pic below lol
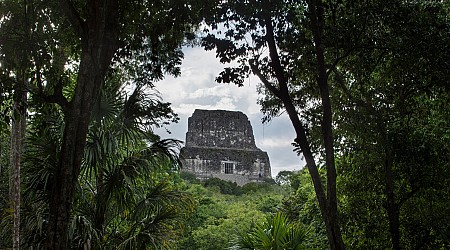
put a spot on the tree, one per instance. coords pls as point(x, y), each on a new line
point(124, 197)
point(385, 105)
point(147, 33)
point(310, 54)
point(17, 137)
point(225, 187)
point(124, 194)
point(15, 78)
point(5, 212)
point(284, 177)
point(289, 31)
point(419, 160)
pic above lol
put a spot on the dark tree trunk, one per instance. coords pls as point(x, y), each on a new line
point(101, 202)
point(327, 202)
point(333, 229)
point(17, 136)
point(392, 207)
point(99, 38)
point(329, 212)
point(72, 150)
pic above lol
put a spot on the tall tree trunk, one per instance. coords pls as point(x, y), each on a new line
point(327, 202)
point(18, 128)
point(322, 198)
point(99, 38)
point(316, 18)
point(392, 207)
point(76, 120)
point(17, 136)
point(101, 199)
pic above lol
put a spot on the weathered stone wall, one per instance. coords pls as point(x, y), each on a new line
point(221, 144)
point(219, 128)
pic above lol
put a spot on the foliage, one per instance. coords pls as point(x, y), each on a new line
point(301, 205)
point(258, 187)
point(420, 158)
point(386, 67)
point(73, 45)
point(389, 115)
point(284, 177)
point(364, 79)
point(225, 187)
point(219, 217)
point(126, 197)
point(5, 211)
point(189, 177)
point(275, 232)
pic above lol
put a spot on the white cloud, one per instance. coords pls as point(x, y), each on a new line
point(187, 109)
point(218, 90)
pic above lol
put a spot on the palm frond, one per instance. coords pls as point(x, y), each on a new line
point(145, 109)
point(33, 222)
point(40, 161)
point(163, 195)
point(275, 232)
point(121, 196)
point(156, 218)
point(82, 232)
point(166, 149)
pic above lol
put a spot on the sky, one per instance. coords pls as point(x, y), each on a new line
point(196, 88)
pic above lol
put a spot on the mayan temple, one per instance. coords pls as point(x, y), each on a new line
point(221, 144)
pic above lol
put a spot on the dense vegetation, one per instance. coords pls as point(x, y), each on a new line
point(366, 87)
point(221, 215)
point(365, 84)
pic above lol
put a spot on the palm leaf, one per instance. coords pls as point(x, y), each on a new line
point(156, 218)
point(275, 232)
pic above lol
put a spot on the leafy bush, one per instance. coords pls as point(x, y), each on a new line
point(225, 187)
point(254, 187)
point(189, 177)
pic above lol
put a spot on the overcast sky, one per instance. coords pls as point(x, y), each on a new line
point(196, 88)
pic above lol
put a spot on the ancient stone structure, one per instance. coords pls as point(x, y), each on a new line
point(220, 144)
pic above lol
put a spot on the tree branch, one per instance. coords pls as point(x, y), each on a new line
point(264, 80)
point(57, 96)
point(73, 16)
point(348, 52)
point(408, 195)
point(273, 53)
point(338, 59)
